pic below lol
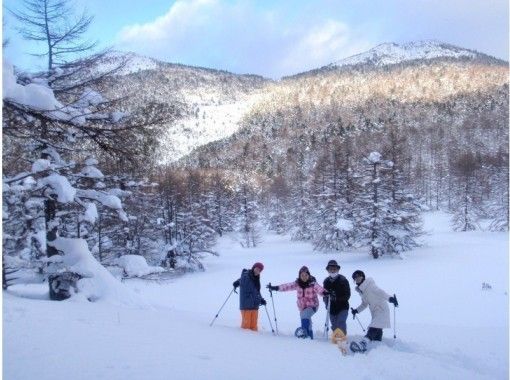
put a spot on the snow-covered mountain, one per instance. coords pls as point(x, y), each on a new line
point(296, 116)
point(213, 105)
point(388, 54)
point(392, 53)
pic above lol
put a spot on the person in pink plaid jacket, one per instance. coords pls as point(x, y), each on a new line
point(307, 291)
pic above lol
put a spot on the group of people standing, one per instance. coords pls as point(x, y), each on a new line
point(335, 291)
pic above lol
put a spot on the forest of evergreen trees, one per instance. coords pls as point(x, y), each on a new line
point(85, 170)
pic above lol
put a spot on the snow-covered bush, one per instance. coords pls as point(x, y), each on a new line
point(136, 266)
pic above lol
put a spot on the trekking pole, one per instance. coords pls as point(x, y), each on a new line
point(395, 318)
point(274, 310)
point(326, 325)
point(360, 323)
point(218, 313)
point(269, 318)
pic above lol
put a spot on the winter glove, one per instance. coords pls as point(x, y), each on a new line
point(354, 312)
point(393, 300)
point(235, 284)
point(263, 302)
point(272, 287)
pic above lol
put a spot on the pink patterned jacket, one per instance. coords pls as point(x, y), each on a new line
point(306, 297)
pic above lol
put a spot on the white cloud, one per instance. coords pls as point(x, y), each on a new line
point(182, 16)
point(283, 38)
point(323, 44)
point(242, 38)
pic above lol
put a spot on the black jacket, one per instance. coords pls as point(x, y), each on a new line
point(341, 292)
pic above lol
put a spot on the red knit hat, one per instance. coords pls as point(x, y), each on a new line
point(258, 265)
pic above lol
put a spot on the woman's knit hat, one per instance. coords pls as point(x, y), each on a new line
point(304, 268)
point(258, 265)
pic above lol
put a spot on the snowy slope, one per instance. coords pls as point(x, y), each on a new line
point(208, 104)
point(211, 122)
point(133, 63)
point(447, 326)
point(392, 53)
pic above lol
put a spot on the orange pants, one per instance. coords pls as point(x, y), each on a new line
point(249, 319)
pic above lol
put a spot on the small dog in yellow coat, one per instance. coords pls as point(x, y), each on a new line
point(338, 337)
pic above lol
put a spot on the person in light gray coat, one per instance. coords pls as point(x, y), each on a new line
point(376, 300)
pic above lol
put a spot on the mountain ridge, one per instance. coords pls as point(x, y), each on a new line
point(384, 54)
point(214, 105)
point(391, 54)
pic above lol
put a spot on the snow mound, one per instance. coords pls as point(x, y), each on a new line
point(136, 266)
point(97, 283)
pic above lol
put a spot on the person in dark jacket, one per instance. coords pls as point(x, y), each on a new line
point(339, 293)
point(249, 296)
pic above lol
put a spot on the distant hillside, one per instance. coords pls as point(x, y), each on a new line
point(214, 111)
point(209, 103)
point(412, 53)
point(438, 110)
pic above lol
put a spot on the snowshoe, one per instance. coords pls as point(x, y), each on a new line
point(360, 346)
point(301, 333)
point(305, 331)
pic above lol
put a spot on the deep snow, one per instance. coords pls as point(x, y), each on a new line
point(448, 327)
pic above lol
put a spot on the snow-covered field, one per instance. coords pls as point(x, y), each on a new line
point(448, 327)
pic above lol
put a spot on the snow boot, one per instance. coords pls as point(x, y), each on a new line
point(306, 324)
point(360, 346)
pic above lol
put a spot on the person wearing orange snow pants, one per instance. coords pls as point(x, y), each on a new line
point(249, 319)
point(249, 296)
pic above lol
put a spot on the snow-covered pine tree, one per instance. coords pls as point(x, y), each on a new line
point(465, 207)
point(221, 202)
point(170, 193)
point(187, 212)
point(332, 194)
point(195, 233)
point(143, 232)
point(300, 203)
point(106, 237)
point(372, 207)
point(42, 127)
point(498, 205)
point(277, 207)
point(405, 224)
point(248, 220)
point(23, 235)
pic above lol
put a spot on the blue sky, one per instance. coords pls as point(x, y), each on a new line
point(276, 38)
